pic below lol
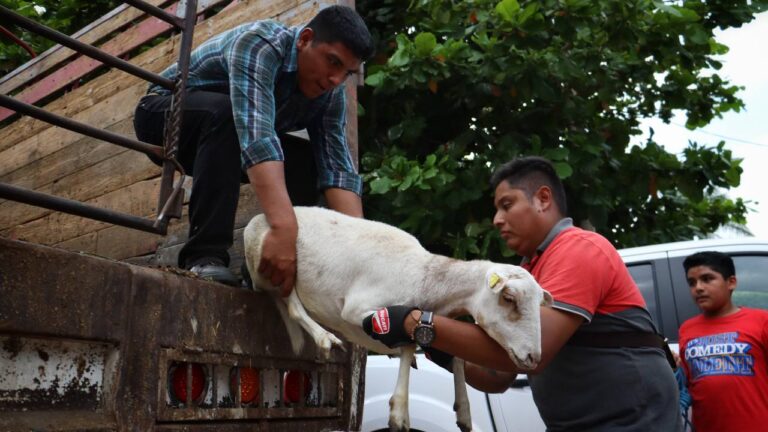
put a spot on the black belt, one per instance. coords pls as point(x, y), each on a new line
point(623, 340)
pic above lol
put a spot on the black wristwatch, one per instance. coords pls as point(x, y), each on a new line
point(424, 333)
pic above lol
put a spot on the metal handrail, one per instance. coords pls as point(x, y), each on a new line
point(158, 13)
point(66, 123)
point(77, 208)
point(171, 195)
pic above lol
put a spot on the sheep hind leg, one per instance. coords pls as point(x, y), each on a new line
point(324, 339)
point(461, 404)
point(399, 420)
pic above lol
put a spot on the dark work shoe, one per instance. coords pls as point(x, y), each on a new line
point(214, 271)
point(247, 283)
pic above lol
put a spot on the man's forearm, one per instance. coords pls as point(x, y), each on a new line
point(344, 201)
point(470, 342)
point(487, 365)
point(268, 182)
point(486, 379)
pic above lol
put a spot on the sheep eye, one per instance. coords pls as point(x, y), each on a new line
point(509, 302)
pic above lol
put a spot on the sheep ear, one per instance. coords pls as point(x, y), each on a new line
point(547, 299)
point(494, 281)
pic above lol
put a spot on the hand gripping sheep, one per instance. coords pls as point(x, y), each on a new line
point(348, 268)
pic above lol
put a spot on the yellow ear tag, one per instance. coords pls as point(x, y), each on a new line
point(493, 280)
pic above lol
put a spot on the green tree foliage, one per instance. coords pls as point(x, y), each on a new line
point(459, 87)
point(64, 16)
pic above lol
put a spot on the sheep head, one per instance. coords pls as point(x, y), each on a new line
point(509, 312)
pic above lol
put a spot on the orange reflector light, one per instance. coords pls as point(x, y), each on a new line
point(292, 391)
point(178, 381)
point(249, 384)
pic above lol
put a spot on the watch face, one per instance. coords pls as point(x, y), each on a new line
point(424, 335)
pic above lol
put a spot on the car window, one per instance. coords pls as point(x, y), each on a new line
point(751, 288)
point(643, 276)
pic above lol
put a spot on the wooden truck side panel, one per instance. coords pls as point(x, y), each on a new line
point(133, 324)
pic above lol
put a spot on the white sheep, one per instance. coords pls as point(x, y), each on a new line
point(348, 268)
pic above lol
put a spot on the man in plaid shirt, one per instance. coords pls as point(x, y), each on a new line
point(247, 87)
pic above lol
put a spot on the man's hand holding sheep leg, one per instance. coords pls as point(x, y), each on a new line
point(387, 325)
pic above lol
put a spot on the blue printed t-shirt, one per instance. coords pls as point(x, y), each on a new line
point(599, 389)
point(256, 64)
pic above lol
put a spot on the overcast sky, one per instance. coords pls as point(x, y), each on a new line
point(746, 132)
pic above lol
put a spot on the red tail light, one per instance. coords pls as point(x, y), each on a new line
point(292, 386)
point(178, 381)
point(249, 384)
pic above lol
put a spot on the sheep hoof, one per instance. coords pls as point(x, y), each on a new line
point(336, 341)
point(398, 425)
point(463, 417)
point(464, 427)
point(326, 343)
point(398, 415)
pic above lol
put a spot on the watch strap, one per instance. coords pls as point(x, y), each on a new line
point(426, 318)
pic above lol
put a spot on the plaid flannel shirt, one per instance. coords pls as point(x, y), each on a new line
point(256, 64)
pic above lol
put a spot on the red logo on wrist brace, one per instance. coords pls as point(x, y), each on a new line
point(381, 321)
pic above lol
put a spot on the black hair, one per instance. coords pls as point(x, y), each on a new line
point(529, 174)
point(342, 24)
point(717, 261)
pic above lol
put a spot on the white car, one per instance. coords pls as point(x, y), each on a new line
point(658, 272)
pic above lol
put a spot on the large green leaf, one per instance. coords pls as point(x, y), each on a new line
point(507, 9)
point(425, 43)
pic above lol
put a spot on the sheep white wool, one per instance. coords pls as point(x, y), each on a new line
point(347, 268)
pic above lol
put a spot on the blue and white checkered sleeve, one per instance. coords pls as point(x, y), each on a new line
point(327, 136)
point(253, 65)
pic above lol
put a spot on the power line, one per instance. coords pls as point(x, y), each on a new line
point(720, 136)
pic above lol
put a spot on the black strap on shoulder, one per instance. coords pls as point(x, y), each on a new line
point(623, 340)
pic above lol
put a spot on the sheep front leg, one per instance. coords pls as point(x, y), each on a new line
point(461, 404)
point(398, 404)
point(322, 337)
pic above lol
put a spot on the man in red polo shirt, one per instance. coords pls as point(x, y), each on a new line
point(603, 367)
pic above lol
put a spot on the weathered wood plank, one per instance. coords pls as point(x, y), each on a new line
point(118, 242)
point(302, 13)
point(164, 251)
point(104, 113)
point(169, 255)
point(81, 154)
point(114, 173)
point(13, 213)
point(85, 244)
point(137, 199)
point(70, 105)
